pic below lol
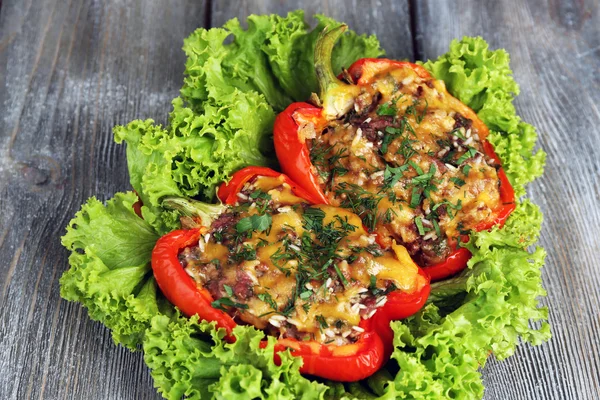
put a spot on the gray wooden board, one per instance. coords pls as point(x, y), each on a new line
point(70, 70)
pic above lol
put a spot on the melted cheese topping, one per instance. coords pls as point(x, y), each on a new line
point(409, 160)
point(313, 273)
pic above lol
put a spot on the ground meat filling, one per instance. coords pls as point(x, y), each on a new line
point(295, 270)
point(410, 164)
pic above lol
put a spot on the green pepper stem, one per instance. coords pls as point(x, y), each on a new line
point(323, 51)
point(193, 208)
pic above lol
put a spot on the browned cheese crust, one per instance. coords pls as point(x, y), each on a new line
point(409, 163)
point(295, 270)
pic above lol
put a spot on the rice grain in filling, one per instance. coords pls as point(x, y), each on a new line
point(409, 163)
point(307, 273)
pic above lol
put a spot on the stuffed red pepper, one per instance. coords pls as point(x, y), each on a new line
point(389, 142)
point(307, 274)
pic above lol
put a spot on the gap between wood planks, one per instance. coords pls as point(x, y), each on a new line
point(412, 17)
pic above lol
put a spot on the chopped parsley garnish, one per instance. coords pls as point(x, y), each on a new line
point(313, 218)
point(362, 202)
point(387, 109)
point(392, 175)
point(266, 297)
point(415, 197)
point(406, 150)
point(218, 236)
point(457, 181)
point(342, 277)
point(318, 157)
point(261, 199)
point(246, 252)
point(449, 207)
point(388, 215)
point(391, 134)
point(420, 227)
point(375, 291)
point(373, 283)
point(416, 167)
point(456, 132)
point(412, 110)
point(223, 302)
point(258, 223)
point(322, 322)
point(466, 169)
point(436, 226)
point(423, 177)
point(423, 184)
point(471, 152)
point(306, 295)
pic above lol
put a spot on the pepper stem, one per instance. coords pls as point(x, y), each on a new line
point(206, 213)
point(336, 96)
point(323, 51)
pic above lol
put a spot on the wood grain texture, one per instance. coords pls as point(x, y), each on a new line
point(555, 56)
point(70, 71)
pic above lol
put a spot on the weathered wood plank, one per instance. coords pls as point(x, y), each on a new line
point(555, 53)
point(70, 71)
point(390, 20)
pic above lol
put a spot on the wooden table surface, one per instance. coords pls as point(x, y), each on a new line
point(71, 70)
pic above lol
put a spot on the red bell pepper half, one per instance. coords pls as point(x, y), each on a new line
point(294, 155)
point(346, 363)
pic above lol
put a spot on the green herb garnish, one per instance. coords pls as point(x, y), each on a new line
point(227, 302)
point(266, 297)
point(258, 223)
point(387, 109)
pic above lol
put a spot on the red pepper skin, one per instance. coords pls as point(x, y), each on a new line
point(228, 192)
point(457, 260)
point(348, 363)
point(399, 305)
point(294, 156)
point(178, 286)
point(360, 359)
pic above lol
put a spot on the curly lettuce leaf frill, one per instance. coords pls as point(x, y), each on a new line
point(440, 353)
point(273, 57)
point(196, 152)
point(190, 358)
point(110, 272)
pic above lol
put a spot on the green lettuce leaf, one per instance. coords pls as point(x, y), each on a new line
point(521, 164)
point(196, 152)
point(110, 272)
point(273, 57)
point(440, 356)
point(190, 358)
